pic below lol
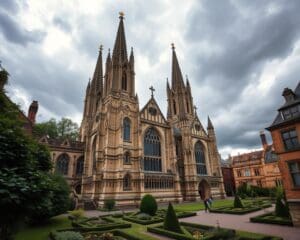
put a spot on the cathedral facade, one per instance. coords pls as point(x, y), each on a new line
point(130, 151)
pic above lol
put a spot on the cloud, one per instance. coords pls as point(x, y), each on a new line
point(239, 55)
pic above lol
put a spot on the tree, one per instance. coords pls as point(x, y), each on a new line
point(237, 202)
point(63, 129)
point(171, 222)
point(148, 205)
point(3, 77)
point(27, 189)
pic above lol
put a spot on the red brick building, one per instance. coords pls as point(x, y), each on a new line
point(285, 131)
point(228, 178)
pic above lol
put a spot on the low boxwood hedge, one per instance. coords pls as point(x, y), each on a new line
point(164, 232)
point(239, 211)
point(262, 219)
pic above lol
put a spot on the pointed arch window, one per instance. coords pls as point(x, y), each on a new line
point(152, 151)
point(79, 166)
point(200, 159)
point(127, 182)
point(174, 107)
point(94, 156)
point(126, 129)
point(62, 164)
point(126, 158)
point(124, 81)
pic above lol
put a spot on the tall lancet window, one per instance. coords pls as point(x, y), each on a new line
point(126, 129)
point(79, 166)
point(124, 81)
point(152, 151)
point(200, 159)
point(62, 164)
point(127, 182)
point(94, 150)
point(174, 107)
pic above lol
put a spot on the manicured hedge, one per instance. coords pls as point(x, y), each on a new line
point(241, 211)
point(143, 222)
point(105, 227)
point(174, 235)
point(262, 219)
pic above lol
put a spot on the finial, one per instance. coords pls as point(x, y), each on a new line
point(173, 46)
point(121, 15)
point(152, 90)
point(89, 79)
point(100, 47)
point(186, 77)
point(131, 49)
point(195, 108)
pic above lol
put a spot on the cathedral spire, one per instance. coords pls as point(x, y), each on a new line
point(98, 74)
point(120, 51)
point(177, 79)
point(131, 58)
point(209, 124)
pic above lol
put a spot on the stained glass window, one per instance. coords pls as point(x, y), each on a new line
point(126, 129)
point(79, 166)
point(200, 159)
point(152, 151)
point(62, 164)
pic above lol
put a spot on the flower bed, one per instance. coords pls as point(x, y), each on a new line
point(145, 219)
point(271, 218)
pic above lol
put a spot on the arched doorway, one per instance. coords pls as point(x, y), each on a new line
point(204, 189)
point(78, 189)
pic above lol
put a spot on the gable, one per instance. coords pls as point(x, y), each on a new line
point(152, 113)
point(197, 128)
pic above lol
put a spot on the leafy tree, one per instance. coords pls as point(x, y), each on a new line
point(65, 128)
point(27, 189)
point(148, 205)
point(3, 77)
point(171, 222)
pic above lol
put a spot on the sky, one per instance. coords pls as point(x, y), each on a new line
point(237, 55)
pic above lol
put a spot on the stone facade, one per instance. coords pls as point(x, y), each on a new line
point(130, 151)
point(258, 168)
point(285, 131)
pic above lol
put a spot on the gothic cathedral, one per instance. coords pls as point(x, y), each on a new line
point(131, 151)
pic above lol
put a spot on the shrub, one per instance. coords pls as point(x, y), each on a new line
point(148, 205)
point(237, 202)
point(68, 235)
point(281, 208)
point(76, 214)
point(143, 216)
point(171, 221)
point(109, 204)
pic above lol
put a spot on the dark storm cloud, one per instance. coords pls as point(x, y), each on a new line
point(13, 31)
point(242, 37)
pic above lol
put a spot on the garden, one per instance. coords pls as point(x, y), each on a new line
point(147, 224)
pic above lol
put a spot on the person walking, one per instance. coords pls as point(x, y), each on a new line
point(206, 204)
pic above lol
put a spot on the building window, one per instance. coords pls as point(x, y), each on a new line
point(152, 151)
point(126, 129)
point(62, 164)
point(79, 166)
point(278, 182)
point(126, 158)
point(239, 173)
point(127, 183)
point(200, 159)
point(154, 182)
point(174, 107)
point(247, 172)
point(295, 172)
point(290, 139)
point(94, 152)
point(256, 172)
point(124, 81)
point(258, 183)
point(291, 112)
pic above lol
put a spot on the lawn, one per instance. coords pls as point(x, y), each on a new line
point(197, 206)
point(271, 218)
point(42, 232)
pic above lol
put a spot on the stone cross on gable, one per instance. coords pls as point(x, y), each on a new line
point(152, 90)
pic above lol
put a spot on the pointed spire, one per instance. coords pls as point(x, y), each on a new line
point(131, 58)
point(98, 74)
point(209, 124)
point(177, 79)
point(120, 51)
point(88, 86)
point(187, 81)
point(108, 61)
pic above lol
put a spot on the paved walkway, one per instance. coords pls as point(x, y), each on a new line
point(242, 222)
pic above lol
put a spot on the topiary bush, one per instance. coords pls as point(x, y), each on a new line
point(143, 216)
point(68, 235)
point(76, 214)
point(171, 221)
point(281, 208)
point(109, 204)
point(148, 205)
point(237, 202)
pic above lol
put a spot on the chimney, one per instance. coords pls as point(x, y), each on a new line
point(33, 108)
point(263, 139)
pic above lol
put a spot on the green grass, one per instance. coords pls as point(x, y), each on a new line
point(254, 235)
point(197, 206)
point(42, 232)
